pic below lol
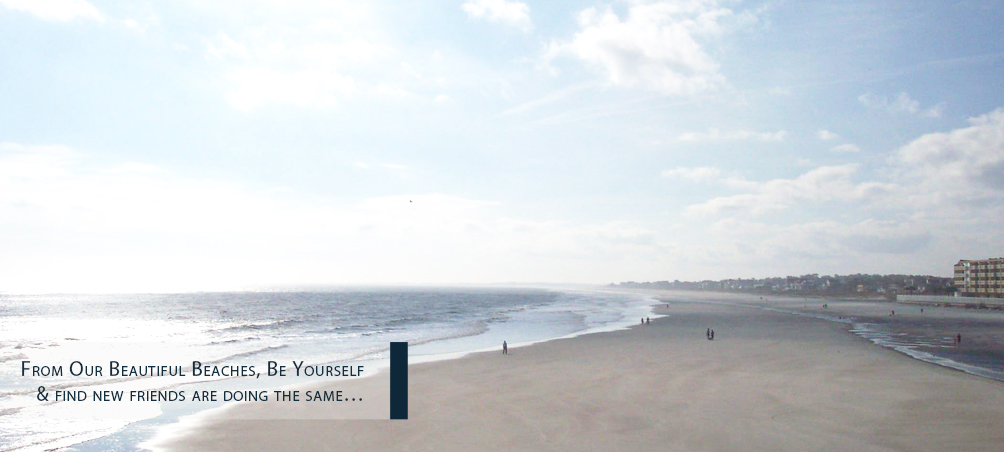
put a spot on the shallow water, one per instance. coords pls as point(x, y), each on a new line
point(238, 328)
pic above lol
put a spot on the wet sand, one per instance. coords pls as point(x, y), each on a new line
point(926, 329)
point(769, 381)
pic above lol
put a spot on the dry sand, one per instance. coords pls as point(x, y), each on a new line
point(768, 382)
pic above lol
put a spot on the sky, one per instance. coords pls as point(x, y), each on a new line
point(189, 145)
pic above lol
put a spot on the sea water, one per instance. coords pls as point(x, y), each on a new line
point(172, 330)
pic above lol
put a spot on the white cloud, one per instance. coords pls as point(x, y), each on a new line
point(657, 45)
point(695, 174)
point(732, 135)
point(772, 249)
point(902, 103)
point(826, 183)
point(74, 225)
point(846, 148)
point(222, 46)
point(318, 55)
point(826, 135)
point(940, 196)
point(512, 13)
point(56, 10)
point(311, 88)
point(964, 162)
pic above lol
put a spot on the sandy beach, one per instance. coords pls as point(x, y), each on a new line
point(769, 381)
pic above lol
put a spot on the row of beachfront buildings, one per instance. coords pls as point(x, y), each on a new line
point(980, 278)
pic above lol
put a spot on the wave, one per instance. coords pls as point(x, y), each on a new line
point(313, 327)
point(257, 326)
point(246, 354)
point(16, 357)
point(235, 340)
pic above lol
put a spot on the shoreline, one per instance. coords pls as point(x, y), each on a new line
point(867, 319)
point(133, 431)
point(458, 371)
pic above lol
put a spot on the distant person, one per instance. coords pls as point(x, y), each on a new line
point(707, 334)
point(959, 338)
point(647, 321)
point(921, 310)
point(893, 312)
point(505, 348)
point(642, 320)
point(712, 334)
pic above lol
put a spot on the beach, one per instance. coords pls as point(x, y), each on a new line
point(770, 380)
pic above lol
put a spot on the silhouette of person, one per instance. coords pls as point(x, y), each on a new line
point(959, 338)
point(505, 348)
point(647, 321)
point(707, 334)
point(712, 334)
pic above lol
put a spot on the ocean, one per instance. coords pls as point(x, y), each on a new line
point(332, 326)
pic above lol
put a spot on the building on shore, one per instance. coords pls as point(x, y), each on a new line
point(980, 278)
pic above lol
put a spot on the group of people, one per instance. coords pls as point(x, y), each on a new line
point(710, 334)
point(645, 321)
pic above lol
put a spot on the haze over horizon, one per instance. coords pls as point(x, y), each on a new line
point(184, 146)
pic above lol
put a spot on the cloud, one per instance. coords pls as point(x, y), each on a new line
point(939, 197)
point(696, 174)
point(826, 135)
point(773, 249)
point(659, 46)
point(512, 13)
point(56, 10)
point(826, 183)
point(902, 103)
point(545, 100)
point(318, 55)
point(222, 46)
point(846, 148)
point(964, 162)
point(733, 135)
point(73, 224)
point(254, 87)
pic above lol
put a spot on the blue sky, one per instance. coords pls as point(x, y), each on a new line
point(191, 146)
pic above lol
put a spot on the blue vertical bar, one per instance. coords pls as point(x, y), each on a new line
point(399, 380)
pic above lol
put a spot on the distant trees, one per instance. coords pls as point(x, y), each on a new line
point(858, 284)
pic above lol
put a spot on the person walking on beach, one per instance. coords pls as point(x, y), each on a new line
point(712, 334)
point(707, 334)
point(959, 339)
point(505, 348)
point(647, 321)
